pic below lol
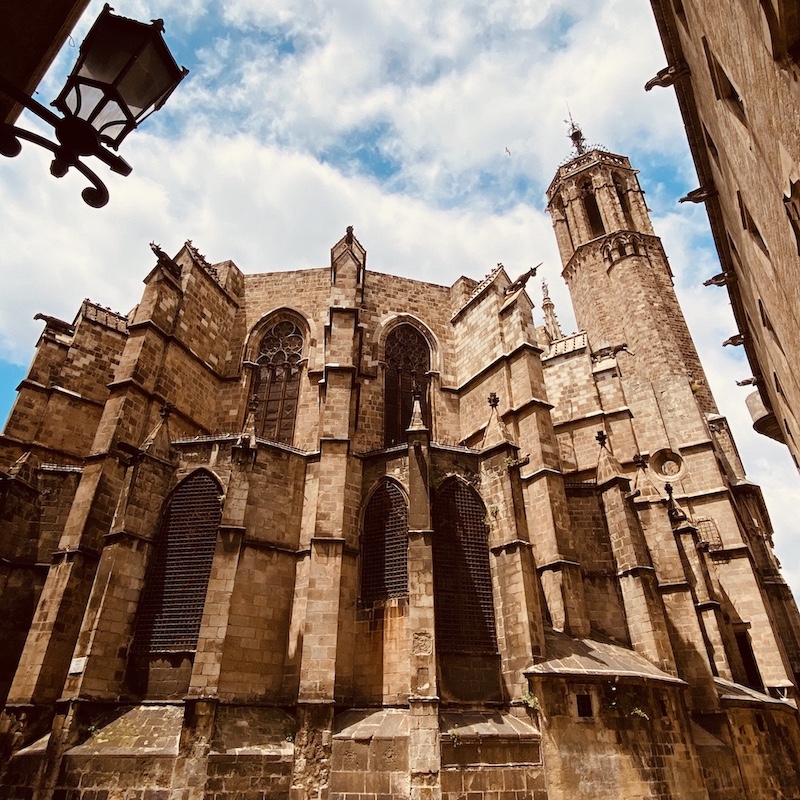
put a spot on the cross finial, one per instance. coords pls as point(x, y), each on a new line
point(165, 410)
point(601, 438)
point(668, 489)
point(493, 400)
point(252, 406)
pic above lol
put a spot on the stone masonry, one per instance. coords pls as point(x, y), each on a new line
point(332, 534)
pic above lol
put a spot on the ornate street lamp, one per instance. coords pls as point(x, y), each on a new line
point(124, 73)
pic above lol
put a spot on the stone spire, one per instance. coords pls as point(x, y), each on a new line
point(551, 325)
point(417, 421)
point(608, 468)
point(496, 431)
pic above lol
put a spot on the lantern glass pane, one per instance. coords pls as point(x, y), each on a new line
point(146, 81)
point(109, 51)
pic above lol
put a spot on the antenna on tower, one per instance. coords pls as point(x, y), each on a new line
point(575, 134)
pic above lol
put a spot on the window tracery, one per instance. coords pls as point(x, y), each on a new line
point(276, 382)
point(408, 361)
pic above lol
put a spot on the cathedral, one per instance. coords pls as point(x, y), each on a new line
point(333, 534)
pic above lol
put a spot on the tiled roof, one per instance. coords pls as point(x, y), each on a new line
point(483, 724)
point(592, 658)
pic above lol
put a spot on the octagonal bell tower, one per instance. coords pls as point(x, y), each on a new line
point(617, 271)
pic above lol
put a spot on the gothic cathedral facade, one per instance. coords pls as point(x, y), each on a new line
point(340, 535)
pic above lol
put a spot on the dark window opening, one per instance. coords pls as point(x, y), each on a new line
point(584, 704)
point(593, 215)
point(752, 674)
point(561, 215)
point(408, 362)
point(712, 147)
point(622, 196)
point(749, 224)
point(680, 12)
point(384, 545)
point(174, 595)
point(781, 28)
point(462, 580)
point(792, 205)
point(765, 320)
point(723, 87)
point(276, 384)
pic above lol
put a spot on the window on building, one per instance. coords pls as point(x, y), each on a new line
point(462, 578)
point(752, 673)
point(384, 545)
point(408, 361)
point(680, 12)
point(593, 215)
point(276, 383)
point(780, 20)
point(749, 224)
point(561, 216)
point(584, 705)
point(174, 594)
point(622, 196)
point(792, 205)
point(723, 87)
point(712, 147)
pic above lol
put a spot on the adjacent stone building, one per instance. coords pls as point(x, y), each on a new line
point(333, 533)
point(736, 72)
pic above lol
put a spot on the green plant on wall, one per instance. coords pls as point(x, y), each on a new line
point(531, 701)
point(626, 700)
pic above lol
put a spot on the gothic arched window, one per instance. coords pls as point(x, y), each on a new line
point(462, 581)
point(174, 595)
point(593, 215)
point(384, 545)
point(276, 383)
point(408, 361)
point(622, 196)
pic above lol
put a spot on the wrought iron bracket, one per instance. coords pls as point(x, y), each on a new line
point(76, 139)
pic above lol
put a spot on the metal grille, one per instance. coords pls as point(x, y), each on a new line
point(407, 363)
point(708, 532)
point(277, 381)
point(384, 545)
point(172, 603)
point(461, 574)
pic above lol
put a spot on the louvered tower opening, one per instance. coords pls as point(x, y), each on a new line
point(408, 362)
point(384, 545)
point(171, 607)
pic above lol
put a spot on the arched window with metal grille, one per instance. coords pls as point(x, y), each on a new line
point(462, 580)
point(276, 383)
point(174, 595)
point(408, 360)
point(384, 545)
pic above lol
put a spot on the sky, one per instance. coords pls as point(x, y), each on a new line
point(431, 126)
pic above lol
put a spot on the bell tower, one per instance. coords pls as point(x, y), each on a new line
point(617, 271)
